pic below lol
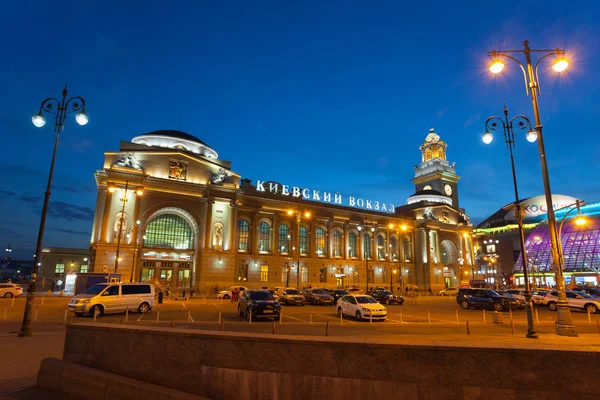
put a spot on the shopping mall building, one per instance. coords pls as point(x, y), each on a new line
point(170, 211)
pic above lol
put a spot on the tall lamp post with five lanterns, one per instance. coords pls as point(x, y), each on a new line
point(564, 323)
point(61, 108)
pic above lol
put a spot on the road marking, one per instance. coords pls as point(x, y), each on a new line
point(297, 319)
point(219, 307)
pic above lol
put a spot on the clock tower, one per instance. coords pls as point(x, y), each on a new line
point(435, 173)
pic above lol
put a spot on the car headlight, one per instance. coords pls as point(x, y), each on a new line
point(84, 301)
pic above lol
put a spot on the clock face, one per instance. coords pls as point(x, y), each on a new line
point(427, 187)
point(448, 190)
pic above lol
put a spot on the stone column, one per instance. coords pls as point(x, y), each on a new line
point(104, 233)
point(345, 242)
point(233, 215)
point(137, 209)
point(208, 219)
point(329, 242)
point(275, 236)
point(253, 229)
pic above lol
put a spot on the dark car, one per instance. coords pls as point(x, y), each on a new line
point(337, 294)
point(259, 303)
point(317, 297)
point(386, 297)
point(485, 298)
point(291, 296)
point(520, 301)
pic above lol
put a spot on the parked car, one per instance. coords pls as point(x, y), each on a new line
point(520, 299)
point(226, 294)
point(274, 294)
point(577, 300)
point(537, 297)
point(387, 297)
point(484, 298)
point(290, 296)
point(318, 297)
point(337, 294)
point(10, 290)
point(361, 306)
point(259, 304)
point(354, 291)
point(106, 298)
point(594, 292)
point(518, 293)
point(451, 291)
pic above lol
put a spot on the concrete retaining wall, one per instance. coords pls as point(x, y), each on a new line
point(223, 365)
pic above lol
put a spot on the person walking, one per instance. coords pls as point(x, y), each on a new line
point(160, 296)
point(192, 292)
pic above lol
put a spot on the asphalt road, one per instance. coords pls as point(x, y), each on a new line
point(421, 315)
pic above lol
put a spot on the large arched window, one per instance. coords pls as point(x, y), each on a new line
point(264, 236)
point(243, 234)
point(169, 231)
point(406, 249)
point(394, 247)
point(303, 240)
point(337, 243)
point(381, 250)
point(367, 245)
point(283, 245)
point(320, 233)
point(352, 244)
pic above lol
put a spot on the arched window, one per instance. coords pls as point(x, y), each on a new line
point(169, 231)
point(367, 245)
point(352, 244)
point(406, 249)
point(394, 247)
point(381, 250)
point(337, 243)
point(303, 240)
point(283, 245)
point(264, 236)
point(427, 154)
point(320, 233)
point(243, 234)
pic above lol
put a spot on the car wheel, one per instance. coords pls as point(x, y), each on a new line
point(226, 296)
point(144, 308)
point(591, 308)
point(497, 306)
point(96, 311)
point(358, 316)
point(552, 306)
point(8, 295)
point(464, 304)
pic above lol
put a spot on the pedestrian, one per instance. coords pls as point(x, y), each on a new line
point(234, 295)
point(160, 296)
point(183, 293)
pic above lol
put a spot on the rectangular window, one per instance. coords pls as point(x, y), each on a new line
point(323, 275)
point(147, 275)
point(384, 275)
point(59, 269)
point(83, 268)
point(184, 277)
point(303, 240)
point(242, 275)
point(243, 234)
point(284, 274)
point(320, 236)
point(337, 243)
point(284, 239)
point(304, 276)
point(371, 273)
point(135, 289)
point(264, 273)
point(166, 274)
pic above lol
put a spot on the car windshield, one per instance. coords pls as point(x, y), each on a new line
point(319, 291)
point(96, 289)
point(261, 296)
point(492, 293)
point(291, 291)
point(365, 299)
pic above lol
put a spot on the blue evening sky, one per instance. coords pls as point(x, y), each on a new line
point(331, 95)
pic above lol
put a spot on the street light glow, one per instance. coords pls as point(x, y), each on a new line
point(487, 137)
point(560, 64)
point(38, 120)
point(580, 221)
point(496, 66)
point(531, 136)
point(81, 118)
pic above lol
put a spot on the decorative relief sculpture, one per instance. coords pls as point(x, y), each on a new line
point(220, 177)
point(218, 235)
point(128, 161)
point(177, 170)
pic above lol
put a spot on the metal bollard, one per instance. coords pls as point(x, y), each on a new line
point(157, 314)
point(468, 331)
point(483, 316)
point(172, 322)
point(70, 319)
point(341, 318)
point(371, 318)
point(510, 313)
point(42, 300)
point(280, 317)
point(220, 317)
point(13, 302)
point(400, 317)
point(66, 313)
point(537, 316)
point(35, 315)
point(456, 317)
point(274, 326)
point(429, 317)
point(589, 316)
point(249, 316)
point(327, 329)
point(127, 314)
point(189, 316)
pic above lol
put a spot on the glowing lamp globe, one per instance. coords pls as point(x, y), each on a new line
point(496, 66)
point(38, 120)
point(487, 138)
point(580, 221)
point(531, 136)
point(81, 118)
point(560, 65)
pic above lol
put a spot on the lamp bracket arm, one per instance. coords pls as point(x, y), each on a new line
point(77, 105)
point(502, 54)
point(49, 106)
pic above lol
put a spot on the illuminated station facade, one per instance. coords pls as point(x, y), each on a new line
point(171, 212)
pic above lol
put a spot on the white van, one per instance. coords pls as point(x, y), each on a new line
point(106, 298)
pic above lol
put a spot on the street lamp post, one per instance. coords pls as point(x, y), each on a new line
point(522, 122)
point(298, 222)
point(564, 323)
point(61, 108)
point(138, 192)
point(367, 249)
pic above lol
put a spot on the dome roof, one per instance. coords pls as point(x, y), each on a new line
point(174, 139)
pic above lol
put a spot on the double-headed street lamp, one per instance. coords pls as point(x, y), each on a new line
point(138, 192)
point(367, 249)
point(298, 226)
point(564, 323)
point(61, 108)
point(520, 122)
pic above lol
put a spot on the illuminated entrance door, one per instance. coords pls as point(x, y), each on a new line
point(166, 273)
point(447, 282)
point(147, 271)
point(339, 278)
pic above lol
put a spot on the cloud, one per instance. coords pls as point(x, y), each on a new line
point(10, 232)
point(72, 232)
point(70, 212)
point(6, 194)
point(442, 111)
point(472, 119)
point(30, 199)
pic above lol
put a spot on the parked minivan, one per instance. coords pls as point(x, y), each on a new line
point(106, 298)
